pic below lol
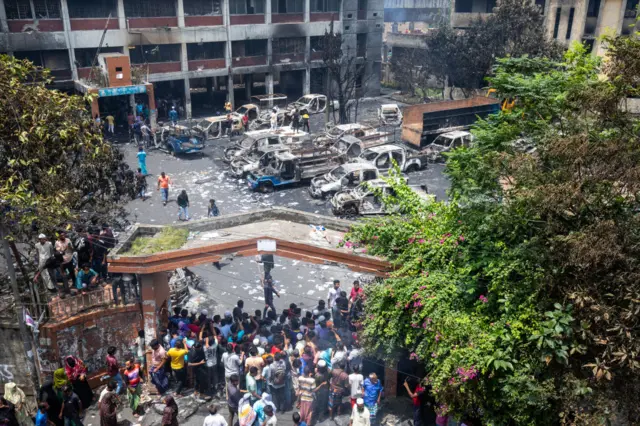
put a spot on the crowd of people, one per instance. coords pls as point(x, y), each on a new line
point(79, 264)
point(267, 363)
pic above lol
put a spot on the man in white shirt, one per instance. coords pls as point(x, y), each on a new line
point(355, 382)
point(214, 419)
point(360, 415)
point(333, 294)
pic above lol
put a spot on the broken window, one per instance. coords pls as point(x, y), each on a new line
point(18, 9)
point(249, 48)
point(199, 51)
point(34, 56)
point(149, 8)
point(325, 5)
point(47, 9)
point(287, 6)
point(52, 59)
point(316, 43)
point(464, 6)
point(93, 9)
point(246, 7)
point(286, 46)
point(44, 9)
point(85, 57)
point(361, 45)
point(155, 53)
point(202, 7)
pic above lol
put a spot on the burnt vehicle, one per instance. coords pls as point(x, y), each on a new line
point(345, 176)
point(367, 199)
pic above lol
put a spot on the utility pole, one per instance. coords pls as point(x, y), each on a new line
point(26, 339)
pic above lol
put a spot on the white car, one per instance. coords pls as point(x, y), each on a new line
point(390, 115)
point(346, 176)
point(446, 142)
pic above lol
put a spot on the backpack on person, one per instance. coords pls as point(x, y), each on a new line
point(279, 374)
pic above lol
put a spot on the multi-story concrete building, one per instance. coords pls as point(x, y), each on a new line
point(565, 20)
point(197, 51)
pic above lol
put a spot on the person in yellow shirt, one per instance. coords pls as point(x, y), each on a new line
point(305, 122)
point(176, 355)
point(110, 123)
point(228, 107)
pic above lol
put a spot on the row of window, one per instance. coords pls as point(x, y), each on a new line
point(198, 51)
point(50, 9)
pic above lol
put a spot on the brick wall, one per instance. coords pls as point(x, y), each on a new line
point(280, 18)
point(44, 25)
point(248, 61)
point(202, 21)
point(246, 19)
point(206, 64)
point(323, 16)
point(88, 337)
point(153, 22)
point(93, 24)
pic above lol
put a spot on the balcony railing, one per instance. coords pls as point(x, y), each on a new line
point(102, 297)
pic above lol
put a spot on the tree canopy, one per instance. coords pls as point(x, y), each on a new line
point(55, 165)
point(521, 295)
point(464, 58)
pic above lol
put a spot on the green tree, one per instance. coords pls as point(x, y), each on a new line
point(464, 58)
point(56, 168)
point(520, 296)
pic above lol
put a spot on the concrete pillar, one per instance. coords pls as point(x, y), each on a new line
point(180, 10)
point(122, 18)
point(269, 83)
point(306, 84)
point(132, 103)
point(184, 58)
point(153, 110)
point(4, 26)
point(187, 97)
point(154, 291)
point(66, 24)
point(307, 8)
point(248, 85)
point(230, 96)
point(95, 108)
point(390, 379)
point(270, 51)
point(216, 84)
point(267, 11)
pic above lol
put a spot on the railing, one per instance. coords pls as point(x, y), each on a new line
point(61, 309)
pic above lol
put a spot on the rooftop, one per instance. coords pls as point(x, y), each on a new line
point(298, 235)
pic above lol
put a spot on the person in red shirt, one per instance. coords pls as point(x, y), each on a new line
point(245, 122)
point(113, 368)
point(416, 396)
point(356, 291)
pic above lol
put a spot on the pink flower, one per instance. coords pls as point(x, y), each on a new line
point(424, 325)
point(413, 356)
point(364, 250)
point(437, 337)
point(441, 241)
point(411, 240)
point(421, 241)
point(434, 355)
point(423, 287)
point(461, 237)
point(348, 244)
point(425, 273)
point(375, 237)
point(483, 298)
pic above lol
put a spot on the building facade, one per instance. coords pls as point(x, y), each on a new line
point(565, 20)
point(199, 51)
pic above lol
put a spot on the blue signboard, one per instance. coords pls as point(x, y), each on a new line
point(124, 90)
